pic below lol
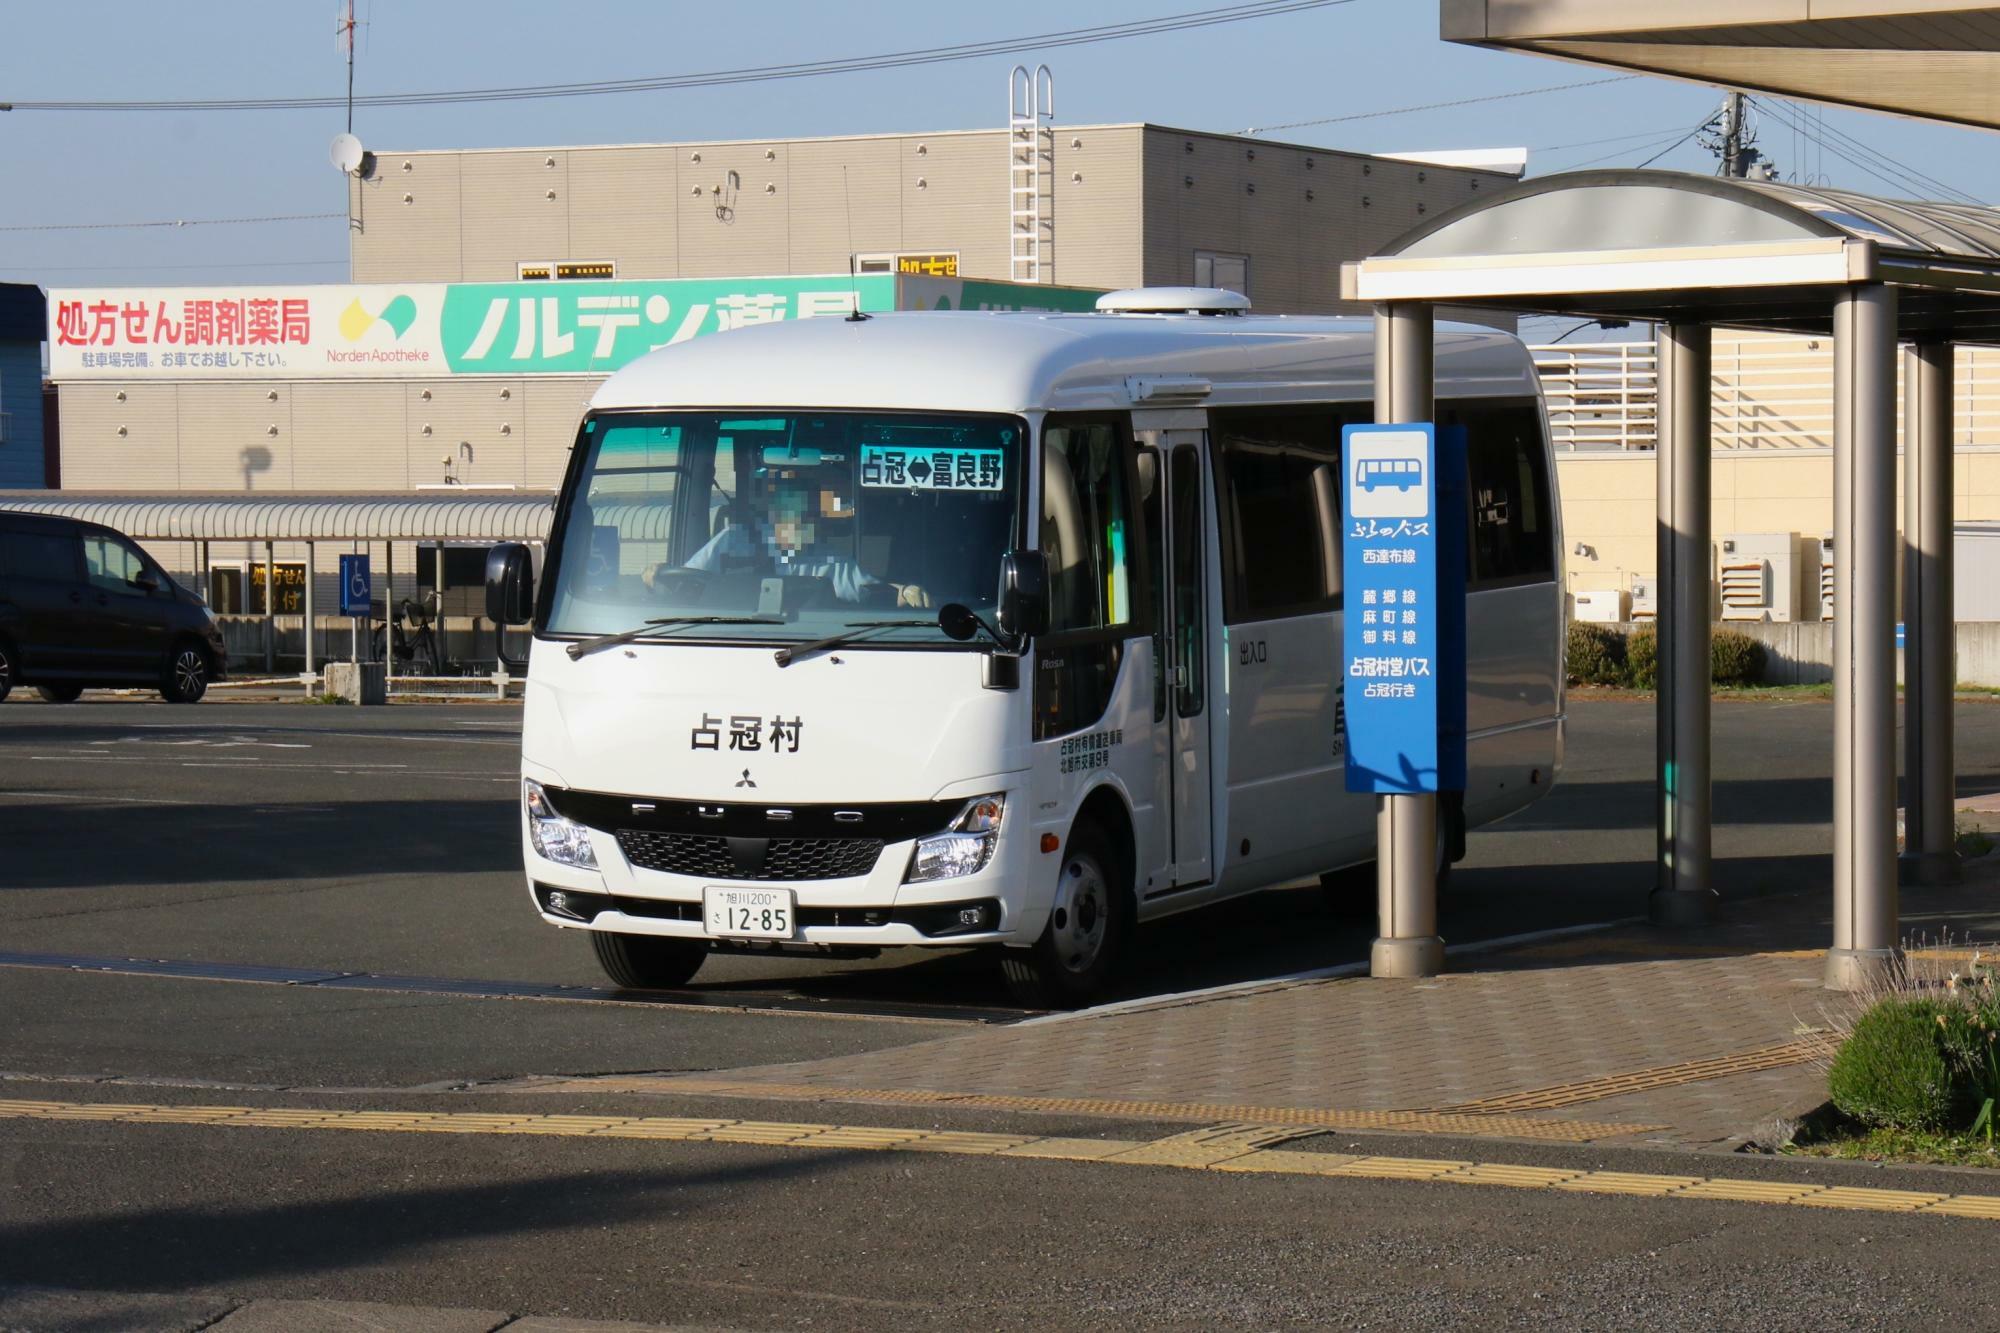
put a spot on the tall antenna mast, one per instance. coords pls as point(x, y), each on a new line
point(343, 40)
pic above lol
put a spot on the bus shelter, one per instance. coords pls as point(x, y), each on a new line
point(1691, 252)
point(345, 522)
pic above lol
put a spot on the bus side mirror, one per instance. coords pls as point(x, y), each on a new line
point(1024, 594)
point(510, 584)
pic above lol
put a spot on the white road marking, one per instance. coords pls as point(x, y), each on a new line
point(234, 742)
point(109, 800)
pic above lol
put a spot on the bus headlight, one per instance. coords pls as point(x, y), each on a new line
point(563, 841)
point(964, 847)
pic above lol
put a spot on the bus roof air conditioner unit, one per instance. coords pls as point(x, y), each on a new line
point(1174, 301)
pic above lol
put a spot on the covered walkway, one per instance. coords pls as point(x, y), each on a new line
point(346, 522)
point(1691, 252)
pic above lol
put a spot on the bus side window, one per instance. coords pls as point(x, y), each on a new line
point(1097, 557)
point(1513, 537)
point(1279, 483)
point(1148, 466)
point(1086, 527)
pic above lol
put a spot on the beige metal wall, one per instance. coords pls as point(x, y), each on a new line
point(702, 210)
point(1608, 502)
point(321, 436)
point(1130, 205)
point(1297, 212)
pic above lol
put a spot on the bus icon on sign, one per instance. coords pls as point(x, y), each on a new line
point(1402, 473)
point(1389, 475)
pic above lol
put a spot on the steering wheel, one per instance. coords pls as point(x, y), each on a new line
point(679, 585)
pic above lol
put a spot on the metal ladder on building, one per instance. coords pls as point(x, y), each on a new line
point(1031, 152)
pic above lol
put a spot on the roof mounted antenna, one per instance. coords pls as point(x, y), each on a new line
point(854, 312)
point(343, 40)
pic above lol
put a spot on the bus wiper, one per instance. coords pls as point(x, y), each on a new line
point(786, 656)
point(603, 641)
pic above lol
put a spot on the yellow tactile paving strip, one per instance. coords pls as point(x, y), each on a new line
point(1451, 1121)
point(1644, 1080)
point(1239, 1148)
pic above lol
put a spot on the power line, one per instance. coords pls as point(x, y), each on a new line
point(1665, 144)
point(1109, 32)
point(1675, 144)
point(1616, 138)
point(1439, 106)
point(170, 222)
point(1874, 163)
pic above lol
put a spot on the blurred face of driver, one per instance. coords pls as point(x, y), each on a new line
point(790, 527)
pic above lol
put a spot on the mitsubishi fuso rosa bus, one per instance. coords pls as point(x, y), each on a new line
point(942, 629)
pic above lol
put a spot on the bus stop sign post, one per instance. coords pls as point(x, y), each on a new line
point(354, 594)
point(1403, 658)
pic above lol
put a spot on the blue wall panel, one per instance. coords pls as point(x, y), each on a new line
point(21, 400)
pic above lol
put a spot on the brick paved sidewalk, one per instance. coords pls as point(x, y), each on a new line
point(1687, 1038)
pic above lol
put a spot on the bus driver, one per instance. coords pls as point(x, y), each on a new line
point(786, 546)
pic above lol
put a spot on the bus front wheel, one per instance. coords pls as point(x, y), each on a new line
point(1090, 924)
point(648, 962)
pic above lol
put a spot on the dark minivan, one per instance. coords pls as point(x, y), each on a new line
point(81, 605)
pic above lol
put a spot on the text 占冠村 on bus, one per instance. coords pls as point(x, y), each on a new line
point(1014, 630)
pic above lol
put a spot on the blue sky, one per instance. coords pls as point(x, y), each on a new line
point(1351, 59)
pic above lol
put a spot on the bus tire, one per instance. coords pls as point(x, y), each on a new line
point(1089, 928)
point(648, 962)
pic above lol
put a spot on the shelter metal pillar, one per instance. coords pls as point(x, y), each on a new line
point(1930, 854)
point(1682, 894)
point(389, 607)
point(312, 565)
point(1406, 827)
point(1864, 663)
point(270, 609)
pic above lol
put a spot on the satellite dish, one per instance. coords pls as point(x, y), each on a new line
point(348, 155)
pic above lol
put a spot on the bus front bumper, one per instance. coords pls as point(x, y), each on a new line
point(876, 910)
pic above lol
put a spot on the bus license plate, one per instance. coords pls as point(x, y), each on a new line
point(756, 914)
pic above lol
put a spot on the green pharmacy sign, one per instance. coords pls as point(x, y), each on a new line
point(545, 328)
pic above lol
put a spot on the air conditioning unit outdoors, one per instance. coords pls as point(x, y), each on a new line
point(1600, 606)
point(1758, 576)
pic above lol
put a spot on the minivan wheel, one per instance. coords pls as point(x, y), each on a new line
point(1090, 925)
point(60, 694)
point(186, 676)
point(648, 962)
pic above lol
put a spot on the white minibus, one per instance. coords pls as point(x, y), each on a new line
point(1016, 630)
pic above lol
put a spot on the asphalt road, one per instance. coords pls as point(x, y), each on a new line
point(383, 841)
point(339, 841)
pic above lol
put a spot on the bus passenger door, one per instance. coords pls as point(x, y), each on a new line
point(1186, 633)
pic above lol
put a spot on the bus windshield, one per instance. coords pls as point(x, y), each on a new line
point(799, 523)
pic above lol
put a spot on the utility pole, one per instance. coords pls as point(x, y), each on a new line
point(1734, 164)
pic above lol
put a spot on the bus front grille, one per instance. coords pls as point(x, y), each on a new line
point(705, 856)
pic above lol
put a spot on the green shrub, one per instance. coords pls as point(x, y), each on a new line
point(1642, 659)
point(1893, 1071)
point(1734, 658)
point(1594, 655)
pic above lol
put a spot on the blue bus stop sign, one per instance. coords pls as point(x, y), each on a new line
point(1403, 607)
point(354, 585)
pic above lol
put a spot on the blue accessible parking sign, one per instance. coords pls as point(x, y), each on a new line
point(354, 585)
point(1403, 598)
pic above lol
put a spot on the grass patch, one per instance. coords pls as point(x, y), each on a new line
point(1855, 1143)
